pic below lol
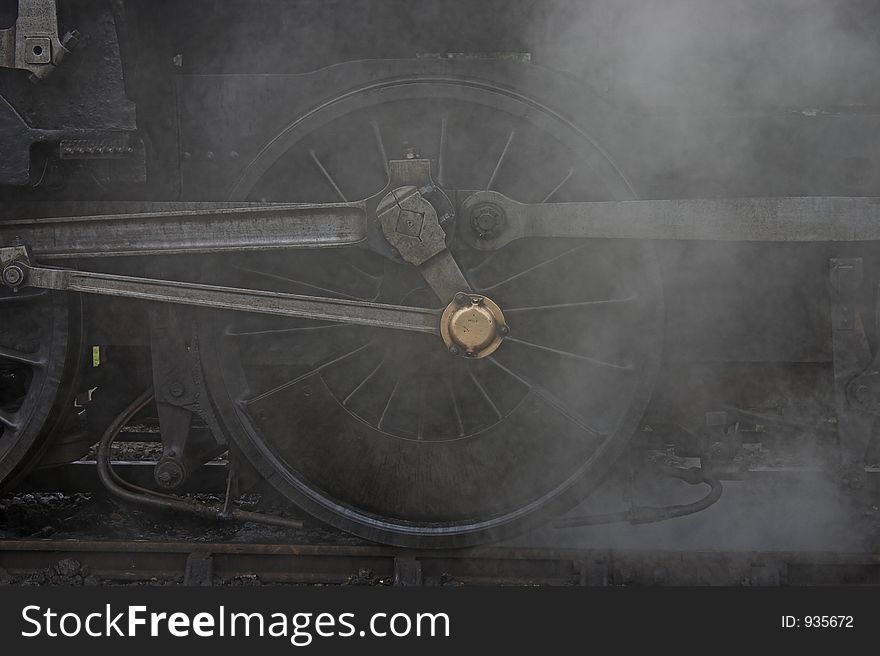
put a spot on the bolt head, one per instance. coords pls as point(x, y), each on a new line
point(864, 395)
point(168, 474)
point(71, 40)
point(503, 330)
point(454, 350)
point(13, 275)
point(176, 389)
point(487, 219)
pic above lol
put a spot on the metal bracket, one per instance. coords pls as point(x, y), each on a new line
point(852, 360)
point(176, 384)
point(199, 570)
point(33, 43)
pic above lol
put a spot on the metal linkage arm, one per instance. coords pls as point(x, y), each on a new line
point(65, 230)
point(17, 272)
point(496, 220)
point(488, 220)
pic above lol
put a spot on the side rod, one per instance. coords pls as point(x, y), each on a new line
point(59, 230)
point(17, 273)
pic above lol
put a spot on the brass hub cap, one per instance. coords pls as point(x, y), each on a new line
point(473, 326)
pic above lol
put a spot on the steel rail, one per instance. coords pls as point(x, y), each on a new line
point(140, 560)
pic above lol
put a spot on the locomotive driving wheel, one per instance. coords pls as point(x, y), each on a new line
point(398, 436)
point(38, 355)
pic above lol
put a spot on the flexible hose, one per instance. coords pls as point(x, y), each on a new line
point(648, 514)
point(129, 492)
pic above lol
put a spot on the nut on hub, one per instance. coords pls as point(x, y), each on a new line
point(473, 325)
point(487, 219)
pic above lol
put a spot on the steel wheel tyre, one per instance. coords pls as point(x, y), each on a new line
point(38, 352)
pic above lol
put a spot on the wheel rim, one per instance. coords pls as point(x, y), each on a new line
point(386, 435)
point(34, 356)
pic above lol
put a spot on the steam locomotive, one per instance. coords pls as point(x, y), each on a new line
point(433, 271)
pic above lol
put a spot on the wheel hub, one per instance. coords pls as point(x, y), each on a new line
point(473, 325)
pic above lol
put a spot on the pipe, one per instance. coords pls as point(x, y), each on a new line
point(139, 495)
point(648, 514)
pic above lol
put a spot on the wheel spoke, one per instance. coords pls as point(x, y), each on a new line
point(327, 176)
point(34, 360)
point(297, 329)
point(487, 261)
point(500, 160)
point(421, 409)
point(486, 396)
point(325, 291)
point(549, 398)
point(455, 409)
point(361, 272)
point(8, 420)
point(388, 403)
point(378, 133)
point(441, 180)
point(560, 306)
point(535, 267)
point(361, 384)
point(309, 373)
point(559, 186)
point(568, 354)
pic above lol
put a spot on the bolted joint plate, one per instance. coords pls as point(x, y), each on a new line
point(410, 224)
point(863, 392)
point(33, 44)
point(10, 254)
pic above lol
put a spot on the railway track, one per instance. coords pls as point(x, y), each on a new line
point(202, 563)
point(433, 302)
